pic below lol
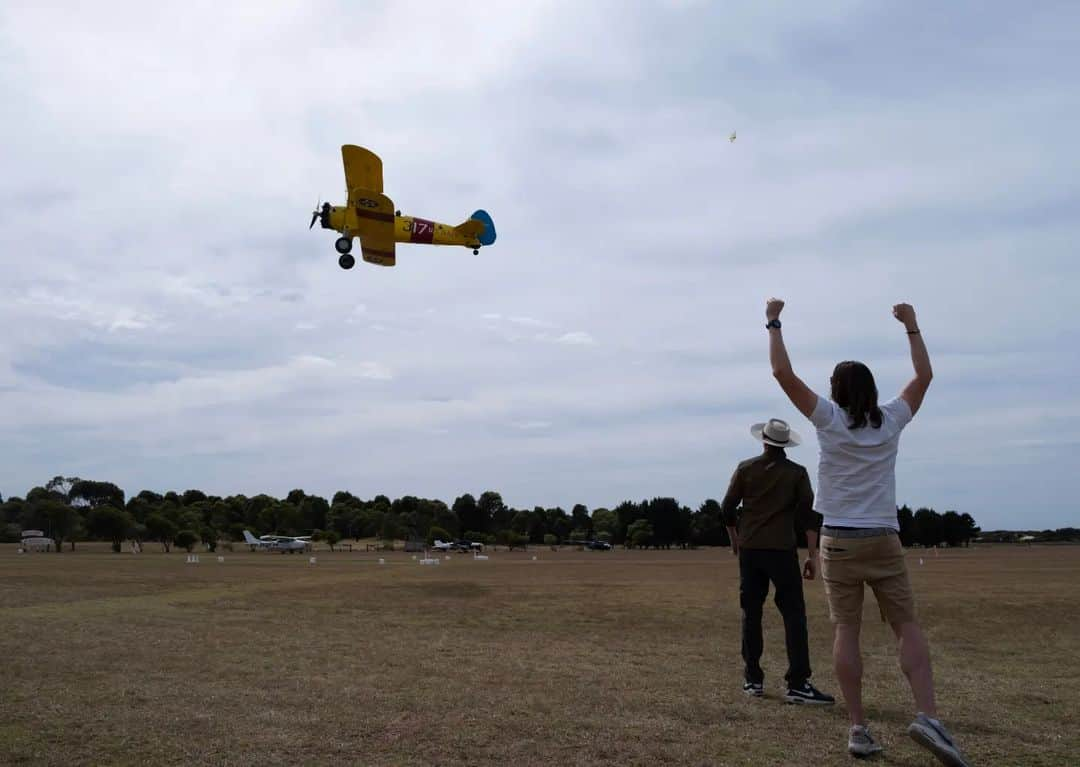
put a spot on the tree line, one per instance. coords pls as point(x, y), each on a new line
point(71, 509)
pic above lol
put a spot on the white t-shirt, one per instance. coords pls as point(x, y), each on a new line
point(857, 467)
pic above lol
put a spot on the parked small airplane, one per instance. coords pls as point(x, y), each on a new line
point(282, 543)
point(370, 215)
point(457, 545)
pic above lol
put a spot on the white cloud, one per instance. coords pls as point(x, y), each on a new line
point(576, 338)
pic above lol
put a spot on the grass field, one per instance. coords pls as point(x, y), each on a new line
point(574, 658)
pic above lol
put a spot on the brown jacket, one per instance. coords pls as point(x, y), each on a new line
point(776, 499)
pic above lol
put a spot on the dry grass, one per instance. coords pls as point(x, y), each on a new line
point(576, 658)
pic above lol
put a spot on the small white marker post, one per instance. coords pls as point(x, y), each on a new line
point(311, 560)
point(221, 559)
point(383, 561)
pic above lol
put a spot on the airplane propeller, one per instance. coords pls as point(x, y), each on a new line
point(315, 214)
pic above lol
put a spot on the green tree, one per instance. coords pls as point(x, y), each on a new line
point(331, 537)
point(314, 511)
point(344, 520)
point(150, 497)
point(162, 530)
point(110, 523)
point(63, 521)
point(579, 517)
point(929, 530)
point(186, 539)
point(191, 497)
point(626, 513)
point(707, 526)
point(391, 528)
point(559, 522)
point(468, 513)
point(96, 494)
point(971, 530)
point(492, 511)
point(640, 533)
point(550, 540)
point(605, 521)
point(905, 517)
point(62, 485)
point(209, 536)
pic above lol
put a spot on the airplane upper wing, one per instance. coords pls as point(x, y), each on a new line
point(363, 170)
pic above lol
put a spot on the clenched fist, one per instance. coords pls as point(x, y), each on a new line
point(905, 313)
point(773, 307)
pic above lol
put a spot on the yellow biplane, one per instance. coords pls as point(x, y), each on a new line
point(370, 215)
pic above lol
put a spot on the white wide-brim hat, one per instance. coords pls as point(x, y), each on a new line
point(776, 433)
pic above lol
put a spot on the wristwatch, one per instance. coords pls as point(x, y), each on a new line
point(773, 324)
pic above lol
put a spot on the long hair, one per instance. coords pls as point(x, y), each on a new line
point(854, 390)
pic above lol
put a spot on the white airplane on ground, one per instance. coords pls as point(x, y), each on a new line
point(282, 543)
point(457, 545)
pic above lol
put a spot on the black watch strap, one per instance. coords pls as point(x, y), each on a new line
point(773, 324)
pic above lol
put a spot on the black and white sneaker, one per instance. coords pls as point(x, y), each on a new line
point(807, 694)
point(754, 689)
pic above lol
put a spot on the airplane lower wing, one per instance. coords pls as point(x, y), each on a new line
point(375, 226)
point(378, 252)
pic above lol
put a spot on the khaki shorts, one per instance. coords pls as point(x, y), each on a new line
point(848, 563)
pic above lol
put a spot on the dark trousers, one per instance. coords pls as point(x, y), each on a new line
point(756, 568)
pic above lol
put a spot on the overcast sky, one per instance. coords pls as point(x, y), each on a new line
point(169, 322)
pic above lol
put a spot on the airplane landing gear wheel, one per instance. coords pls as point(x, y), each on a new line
point(346, 261)
point(476, 251)
point(343, 244)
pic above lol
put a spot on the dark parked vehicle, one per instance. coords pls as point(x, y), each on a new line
point(598, 545)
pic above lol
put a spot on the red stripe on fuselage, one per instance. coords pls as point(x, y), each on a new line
point(422, 231)
point(361, 213)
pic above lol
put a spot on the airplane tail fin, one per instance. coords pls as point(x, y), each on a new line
point(251, 539)
point(479, 226)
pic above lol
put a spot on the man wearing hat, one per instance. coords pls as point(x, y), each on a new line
point(776, 498)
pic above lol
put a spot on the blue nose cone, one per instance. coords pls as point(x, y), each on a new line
point(487, 237)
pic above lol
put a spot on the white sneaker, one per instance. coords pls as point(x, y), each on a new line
point(932, 735)
point(861, 743)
